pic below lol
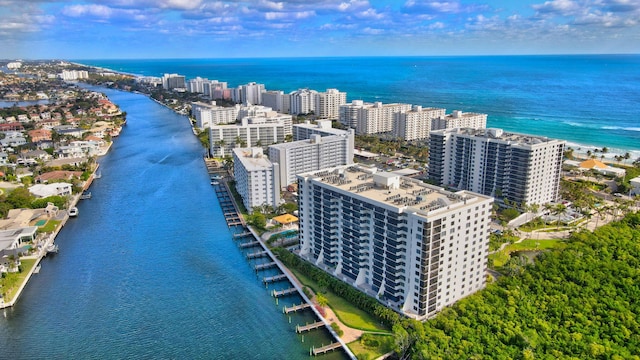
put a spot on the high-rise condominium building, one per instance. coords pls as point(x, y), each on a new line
point(250, 93)
point(320, 127)
point(257, 178)
point(173, 81)
point(318, 152)
point(327, 104)
point(208, 115)
point(522, 169)
point(251, 132)
point(277, 100)
point(415, 247)
point(369, 118)
point(458, 119)
point(416, 123)
point(302, 101)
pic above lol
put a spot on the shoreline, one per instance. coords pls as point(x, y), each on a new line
point(49, 240)
point(613, 150)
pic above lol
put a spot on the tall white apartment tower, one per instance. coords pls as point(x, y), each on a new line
point(369, 118)
point(302, 101)
point(416, 123)
point(257, 178)
point(317, 152)
point(522, 169)
point(328, 103)
point(277, 100)
point(458, 119)
point(415, 247)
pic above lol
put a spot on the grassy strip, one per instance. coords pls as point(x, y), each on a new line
point(50, 226)
point(11, 283)
point(364, 350)
point(350, 315)
point(500, 258)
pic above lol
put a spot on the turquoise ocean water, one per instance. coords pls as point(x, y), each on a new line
point(588, 100)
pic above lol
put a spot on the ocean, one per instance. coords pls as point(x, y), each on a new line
point(591, 101)
point(149, 269)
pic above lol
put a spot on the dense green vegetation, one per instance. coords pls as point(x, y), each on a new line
point(580, 302)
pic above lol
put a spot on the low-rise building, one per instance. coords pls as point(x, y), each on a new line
point(54, 189)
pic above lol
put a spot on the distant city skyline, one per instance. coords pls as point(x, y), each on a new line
point(100, 29)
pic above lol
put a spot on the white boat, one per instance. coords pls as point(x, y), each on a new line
point(52, 248)
point(97, 175)
point(85, 195)
point(216, 177)
point(215, 183)
point(73, 212)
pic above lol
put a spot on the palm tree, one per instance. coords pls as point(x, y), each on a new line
point(627, 156)
point(559, 210)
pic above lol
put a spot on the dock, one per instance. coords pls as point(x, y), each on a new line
point(249, 244)
point(265, 266)
point(285, 292)
point(257, 254)
point(303, 328)
point(294, 308)
point(325, 349)
point(275, 278)
point(242, 234)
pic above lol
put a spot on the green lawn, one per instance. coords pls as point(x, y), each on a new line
point(11, 283)
point(345, 311)
point(501, 257)
point(369, 352)
point(50, 226)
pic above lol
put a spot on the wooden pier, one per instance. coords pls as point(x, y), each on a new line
point(257, 254)
point(325, 349)
point(285, 292)
point(265, 266)
point(249, 244)
point(242, 234)
point(294, 308)
point(275, 278)
point(229, 210)
point(303, 328)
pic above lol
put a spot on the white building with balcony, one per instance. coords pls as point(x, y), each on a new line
point(312, 154)
point(415, 247)
point(518, 168)
point(257, 178)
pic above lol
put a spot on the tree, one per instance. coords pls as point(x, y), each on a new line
point(322, 300)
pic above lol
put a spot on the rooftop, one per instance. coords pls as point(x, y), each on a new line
point(403, 193)
point(499, 134)
point(253, 159)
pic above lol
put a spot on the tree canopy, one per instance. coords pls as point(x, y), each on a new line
point(576, 303)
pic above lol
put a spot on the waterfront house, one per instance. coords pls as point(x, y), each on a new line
point(46, 190)
point(12, 245)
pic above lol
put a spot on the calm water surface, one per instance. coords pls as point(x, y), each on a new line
point(149, 268)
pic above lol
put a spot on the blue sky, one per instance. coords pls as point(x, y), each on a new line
point(93, 29)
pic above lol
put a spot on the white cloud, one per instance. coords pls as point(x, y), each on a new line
point(100, 11)
point(562, 7)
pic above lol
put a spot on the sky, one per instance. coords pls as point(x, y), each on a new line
point(122, 29)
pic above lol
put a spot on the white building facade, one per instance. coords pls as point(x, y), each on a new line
point(415, 247)
point(458, 119)
point(224, 138)
point(257, 178)
point(370, 118)
point(416, 123)
point(327, 104)
point(522, 169)
point(313, 154)
point(207, 115)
